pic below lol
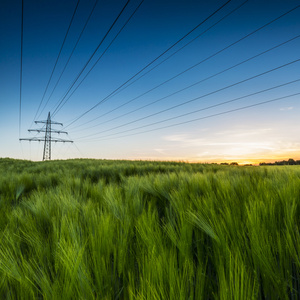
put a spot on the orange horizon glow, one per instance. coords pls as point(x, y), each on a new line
point(248, 161)
point(243, 159)
point(240, 161)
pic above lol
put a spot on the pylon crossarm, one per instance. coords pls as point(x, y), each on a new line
point(45, 122)
point(44, 130)
point(43, 139)
point(33, 139)
point(61, 140)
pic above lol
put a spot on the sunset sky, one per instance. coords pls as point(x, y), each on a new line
point(226, 91)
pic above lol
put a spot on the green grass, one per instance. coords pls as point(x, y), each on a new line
point(89, 229)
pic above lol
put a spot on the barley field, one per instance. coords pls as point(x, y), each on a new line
point(97, 229)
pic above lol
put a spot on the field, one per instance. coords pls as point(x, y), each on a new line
point(89, 229)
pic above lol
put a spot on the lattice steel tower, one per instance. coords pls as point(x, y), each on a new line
point(48, 137)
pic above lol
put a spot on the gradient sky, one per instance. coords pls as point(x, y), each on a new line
point(265, 132)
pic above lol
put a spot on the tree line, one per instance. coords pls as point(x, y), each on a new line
point(281, 163)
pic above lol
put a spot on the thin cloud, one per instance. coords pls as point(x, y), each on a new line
point(241, 132)
point(161, 151)
point(176, 138)
point(286, 108)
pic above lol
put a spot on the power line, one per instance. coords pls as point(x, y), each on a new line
point(174, 53)
point(57, 58)
point(80, 35)
point(149, 64)
point(192, 85)
point(61, 101)
point(132, 82)
point(82, 155)
point(101, 55)
point(222, 103)
point(197, 98)
point(21, 68)
point(23, 156)
point(195, 65)
point(209, 116)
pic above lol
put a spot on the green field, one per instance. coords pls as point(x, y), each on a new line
point(96, 229)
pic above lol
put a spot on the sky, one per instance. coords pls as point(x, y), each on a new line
point(198, 81)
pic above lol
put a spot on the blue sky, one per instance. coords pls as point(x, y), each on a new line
point(113, 130)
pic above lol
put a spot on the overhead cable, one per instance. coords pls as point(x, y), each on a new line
point(80, 35)
point(149, 64)
point(192, 85)
point(209, 116)
point(21, 67)
point(193, 66)
point(88, 61)
point(127, 21)
point(200, 97)
point(57, 58)
point(181, 48)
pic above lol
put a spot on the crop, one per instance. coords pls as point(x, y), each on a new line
point(97, 229)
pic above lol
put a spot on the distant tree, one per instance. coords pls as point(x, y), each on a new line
point(291, 162)
point(224, 164)
point(234, 164)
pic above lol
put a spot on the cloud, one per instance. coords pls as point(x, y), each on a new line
point(161, 151)
point(185, 137)
point(185, 141)
point(226, 139)
point(176, 138)
point(243, 144)
point(286, 108)
point(241, 132)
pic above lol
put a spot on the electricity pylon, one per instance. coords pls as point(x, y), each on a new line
point(48, 138)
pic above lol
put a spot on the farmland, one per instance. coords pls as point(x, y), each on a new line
point(96, 229)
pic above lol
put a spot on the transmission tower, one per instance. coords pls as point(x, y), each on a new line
point(48, 138)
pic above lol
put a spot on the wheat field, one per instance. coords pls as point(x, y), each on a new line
point(96, 229)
